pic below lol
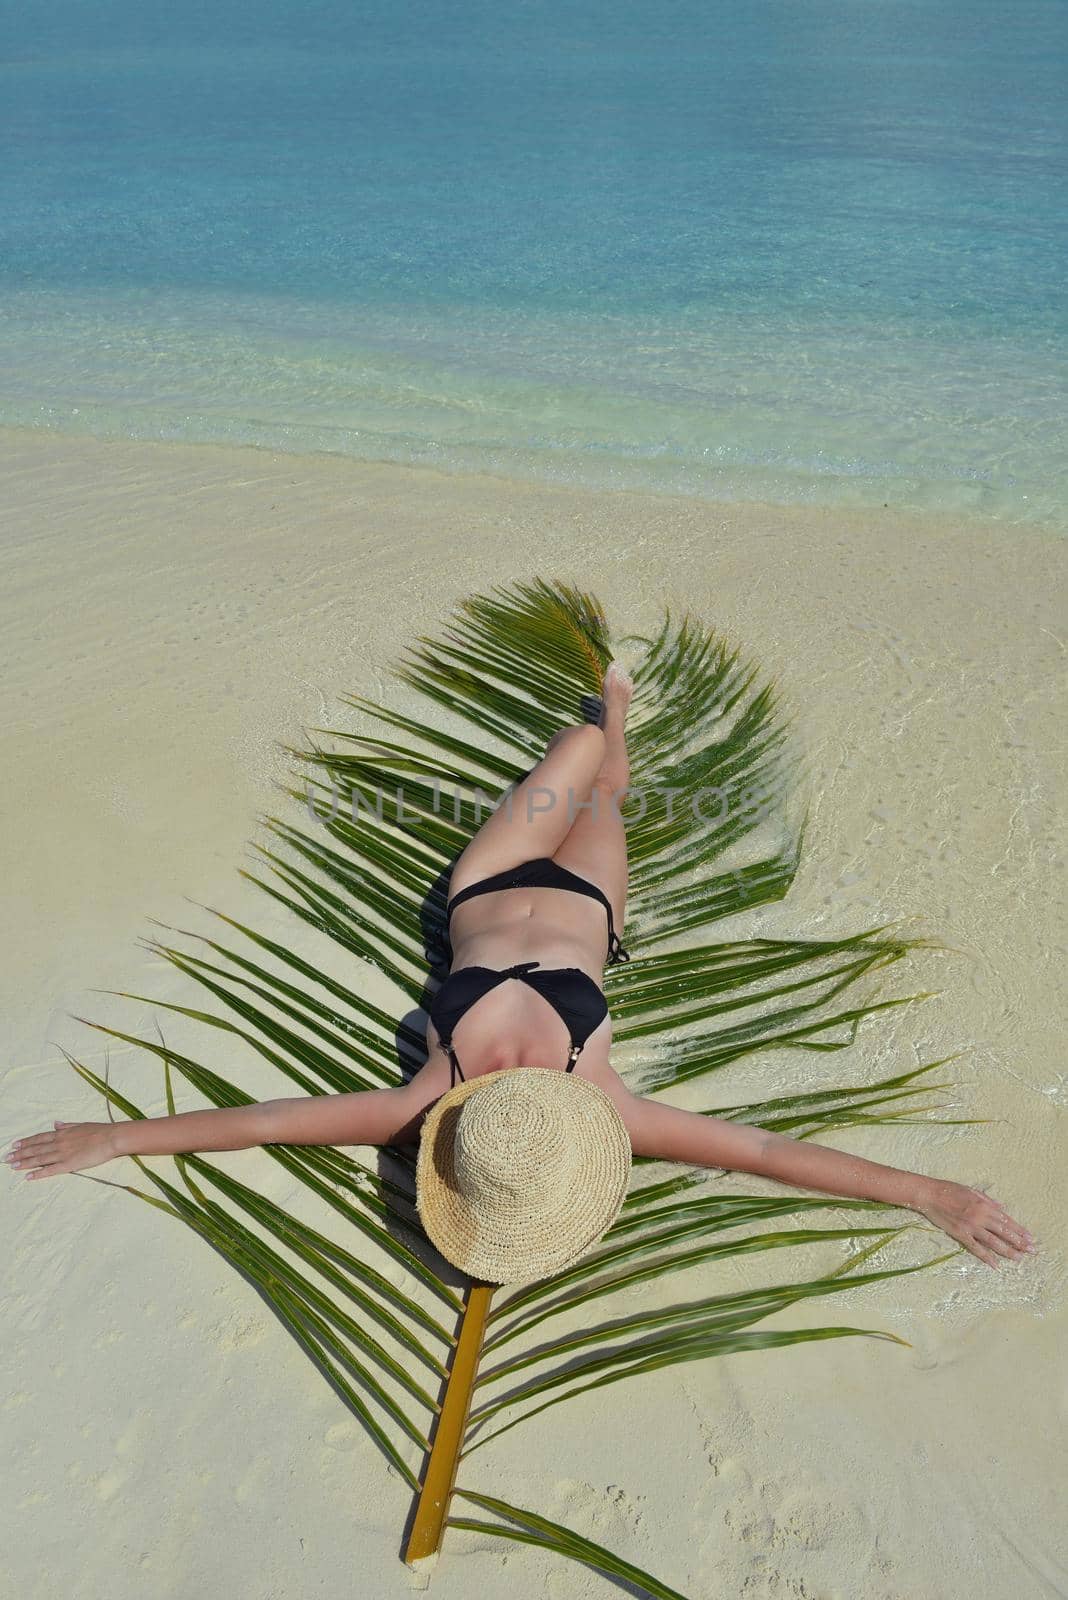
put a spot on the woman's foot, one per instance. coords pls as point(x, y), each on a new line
point(616, 690)
point(617, 687)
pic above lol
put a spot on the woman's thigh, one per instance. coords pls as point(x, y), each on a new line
point(596, 848)
point(536, 815)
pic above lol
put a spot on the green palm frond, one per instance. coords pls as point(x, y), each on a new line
point(435, 1370)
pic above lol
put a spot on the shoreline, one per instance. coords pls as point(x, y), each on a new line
point(961, 520)
point(173, 613)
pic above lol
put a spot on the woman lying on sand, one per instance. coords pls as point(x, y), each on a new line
point(527, 914)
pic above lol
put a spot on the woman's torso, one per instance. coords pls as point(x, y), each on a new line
point(513, 1025)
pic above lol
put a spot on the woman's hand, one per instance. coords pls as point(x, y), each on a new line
point(70, 1148)
point(980, 1224)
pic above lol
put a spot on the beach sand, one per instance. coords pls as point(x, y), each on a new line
point(170, 614)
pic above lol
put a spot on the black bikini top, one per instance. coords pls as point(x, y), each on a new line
point(572, 993)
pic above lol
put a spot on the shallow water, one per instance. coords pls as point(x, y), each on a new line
point(744, 253)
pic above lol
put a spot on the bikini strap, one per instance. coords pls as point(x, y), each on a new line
point(573, 1055)
point(456, 1067)
point(616, 952)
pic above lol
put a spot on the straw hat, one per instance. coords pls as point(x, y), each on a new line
point(520, 1172)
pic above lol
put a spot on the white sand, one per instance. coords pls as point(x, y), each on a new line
point(171, 612)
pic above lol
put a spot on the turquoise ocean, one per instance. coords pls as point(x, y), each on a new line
point(805, 251)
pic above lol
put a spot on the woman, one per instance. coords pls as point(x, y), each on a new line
point(529, 897)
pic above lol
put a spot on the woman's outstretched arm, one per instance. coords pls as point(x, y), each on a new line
point(982, 1225)
point(372, 1116)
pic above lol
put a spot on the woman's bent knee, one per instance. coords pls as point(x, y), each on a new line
point(587, 733)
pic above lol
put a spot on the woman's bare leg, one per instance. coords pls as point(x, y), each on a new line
point(534, 818)
point(596, 846)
